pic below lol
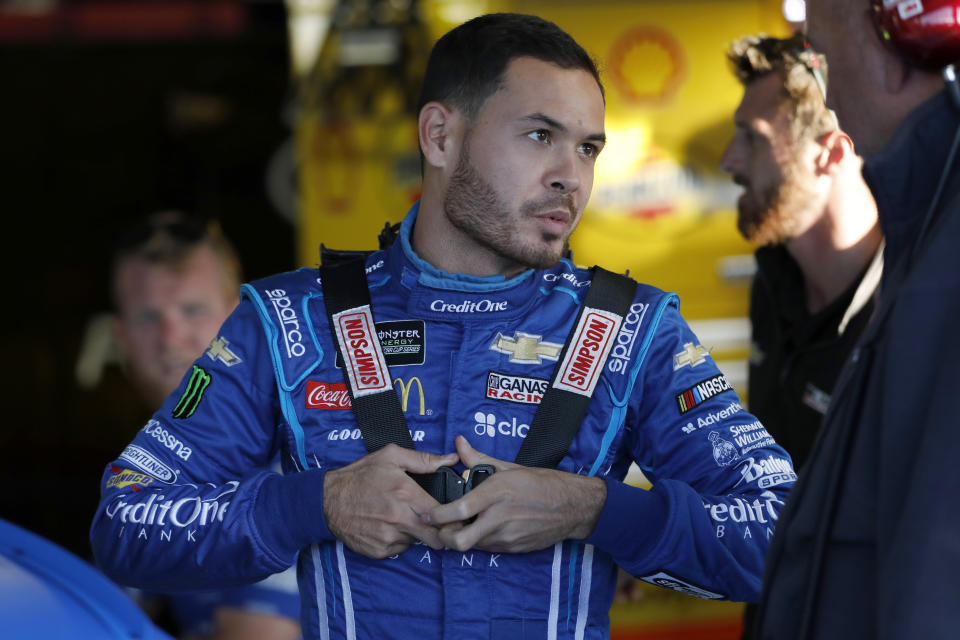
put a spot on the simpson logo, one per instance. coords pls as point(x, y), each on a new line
point(327, 395)
point(192, 394)
point(703, 390)
point(126, 477)
point(364, 361)
point(591, 343)
point(145, 461)
point(520, 389)
point(668, 581)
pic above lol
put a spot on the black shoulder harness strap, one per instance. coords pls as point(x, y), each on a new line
point(377, 406)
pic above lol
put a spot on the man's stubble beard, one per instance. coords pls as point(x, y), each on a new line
point(779, 212)
point(475, 208)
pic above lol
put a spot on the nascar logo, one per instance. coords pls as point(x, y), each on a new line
point(702, 391)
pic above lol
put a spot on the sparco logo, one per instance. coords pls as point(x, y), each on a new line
point(487, 425)
point(289, 322)
point(767, 472)
point(185, 512)
point(144, 460)
point(627, 336)
point(327, 395)
point(522, 389)
point(167, 439)
point(469, 306)
point(361, 349)
point(591, 343)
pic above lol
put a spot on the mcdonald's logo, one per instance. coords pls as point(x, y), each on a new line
point(404, 391)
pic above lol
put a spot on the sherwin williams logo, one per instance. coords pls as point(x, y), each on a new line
point(327, 395)
point(700, 392)
point(364, 361)
point(469, 306)
point(192, 394)
point(592, 341)
point(526, 348)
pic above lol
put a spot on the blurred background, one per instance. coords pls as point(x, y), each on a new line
point(292, 123)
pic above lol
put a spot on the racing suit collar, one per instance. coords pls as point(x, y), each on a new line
point(430, 276)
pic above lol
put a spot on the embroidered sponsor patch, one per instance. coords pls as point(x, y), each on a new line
point(220, 350)
point(816, 399)
point(526, 348)
point(126, 478)
point(402, 342)
point(700, 392)
point(590, 345)
point(142, 459)
point(192, 393)
point(364, 362)
point(520, 389)
point(663, 579)
point(691, 355)
point(327, 395)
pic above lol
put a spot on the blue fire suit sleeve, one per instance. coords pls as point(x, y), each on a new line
point(191, 502)
point(718, 478)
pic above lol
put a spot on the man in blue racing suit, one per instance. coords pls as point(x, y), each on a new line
point(471, 307)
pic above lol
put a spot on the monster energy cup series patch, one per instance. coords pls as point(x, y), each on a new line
point(192, 394)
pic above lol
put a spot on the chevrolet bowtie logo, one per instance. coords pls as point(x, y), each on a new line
point(219, 350)
point(526, 348)
point(691, 355)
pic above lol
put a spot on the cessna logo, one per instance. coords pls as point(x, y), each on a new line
point(358, 340)
point(220, 350)
point(691, 355)
point(592, 341)
point(526, 348)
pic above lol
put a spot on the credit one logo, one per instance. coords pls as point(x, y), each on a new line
point(185, 512)
point(488, 425)
point(623, 347)
point(469, 306)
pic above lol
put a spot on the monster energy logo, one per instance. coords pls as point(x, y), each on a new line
point(193, 394)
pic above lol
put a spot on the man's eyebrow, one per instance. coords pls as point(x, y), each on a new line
point(553, 124)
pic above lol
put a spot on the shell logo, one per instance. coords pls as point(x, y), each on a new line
point(646, 65)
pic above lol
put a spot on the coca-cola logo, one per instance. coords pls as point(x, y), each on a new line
point(327, 395)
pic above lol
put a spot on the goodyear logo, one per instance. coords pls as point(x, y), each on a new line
point(127, 477)
point(192, 394)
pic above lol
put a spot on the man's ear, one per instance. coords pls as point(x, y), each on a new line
point(834, 148)
point(437, 127)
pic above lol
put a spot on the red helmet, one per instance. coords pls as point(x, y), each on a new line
point(925, 32)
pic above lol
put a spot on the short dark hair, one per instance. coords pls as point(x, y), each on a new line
point(467, 64)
